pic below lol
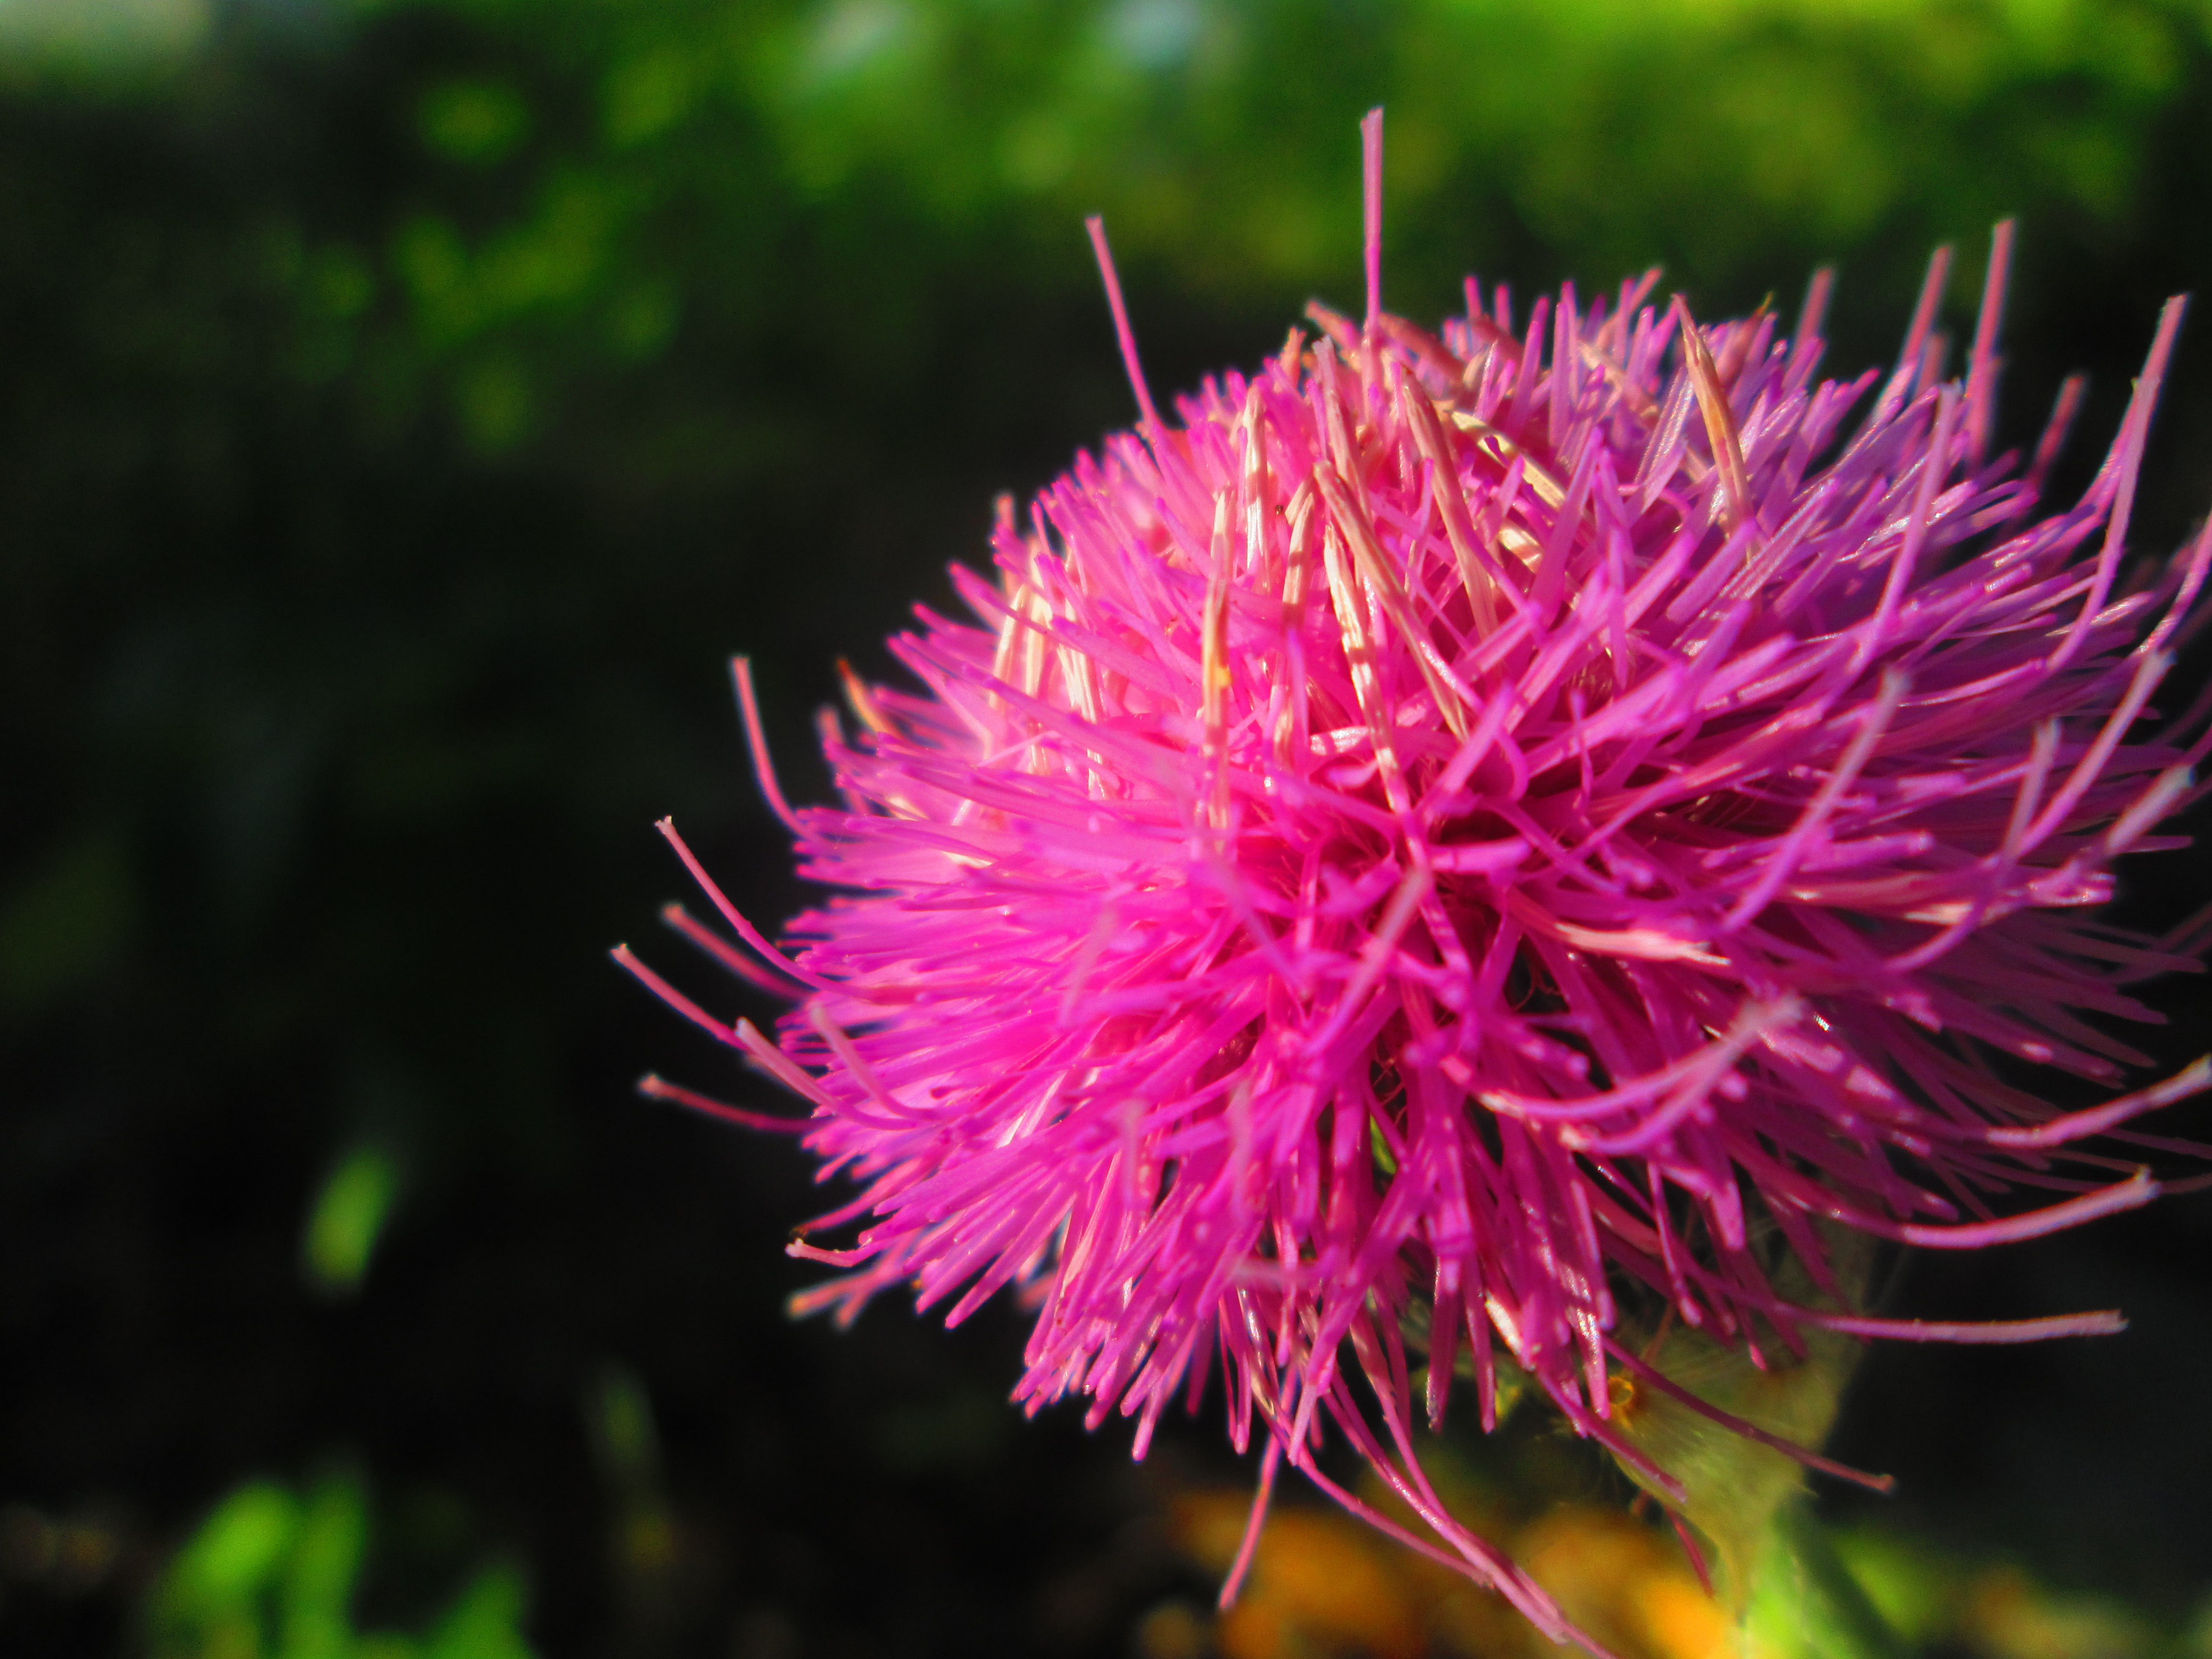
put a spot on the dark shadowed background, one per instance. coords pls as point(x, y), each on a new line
point(404, 411)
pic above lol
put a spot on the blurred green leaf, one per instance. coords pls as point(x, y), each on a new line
point(235, 1554)
point(348, 1219)
point(1810, 1604)
point(316, 1597)
point(485, 1623)
point(1910, 1584)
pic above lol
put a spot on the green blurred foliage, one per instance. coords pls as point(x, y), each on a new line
point(593, 180)
point(273, 1573)
point(1875, 1592)
point(1738, 141)
point(97, 42)
point(348, 1217)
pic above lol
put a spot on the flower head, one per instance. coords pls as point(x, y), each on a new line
point(1456, 835)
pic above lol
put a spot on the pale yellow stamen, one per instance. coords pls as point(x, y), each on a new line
point(1720, 421)
point(1213, 660)
point(1503, 450)
point(861, 700)
point(1420, 417)
point(1350, 519)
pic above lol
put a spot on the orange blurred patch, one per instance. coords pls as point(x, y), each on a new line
point(1325, 1586)
point(1625, 1584)
point(1319, 1581)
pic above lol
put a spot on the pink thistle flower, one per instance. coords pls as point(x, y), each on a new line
point(1495, 821)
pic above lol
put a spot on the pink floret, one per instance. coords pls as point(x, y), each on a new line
point(1501, 821)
